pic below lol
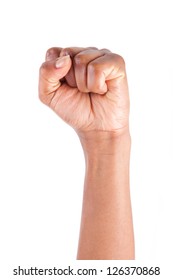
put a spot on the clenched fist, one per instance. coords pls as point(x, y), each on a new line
point(86, 87)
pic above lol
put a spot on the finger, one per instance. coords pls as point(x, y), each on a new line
point(81, 61)
point(53, 53)
point(51, 72)
point(72, 51)
point(105, 50)
point(103, 71)
point(70, 77)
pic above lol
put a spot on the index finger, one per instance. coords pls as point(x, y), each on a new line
point(53, 53)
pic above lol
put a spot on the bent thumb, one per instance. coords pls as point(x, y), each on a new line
point(50, 74)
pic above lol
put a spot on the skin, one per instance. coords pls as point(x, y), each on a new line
point(88, 89)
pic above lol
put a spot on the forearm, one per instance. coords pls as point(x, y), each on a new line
point(106, 224)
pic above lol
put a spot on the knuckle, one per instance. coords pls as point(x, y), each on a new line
point(93, 68)
point(92, 48)
point(79, 59)
point(94, 76)
point(53, 53)
point(50, 51)
point(104, 50)
point(66, 51)
point(119, 60)
point(72, 51)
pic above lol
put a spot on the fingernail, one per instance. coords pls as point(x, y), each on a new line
point(62, 61)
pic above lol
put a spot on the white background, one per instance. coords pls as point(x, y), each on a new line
point(41, 161)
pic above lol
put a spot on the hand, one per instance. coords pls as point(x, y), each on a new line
point(86, 87)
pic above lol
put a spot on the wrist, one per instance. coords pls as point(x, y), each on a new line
point(105, 142)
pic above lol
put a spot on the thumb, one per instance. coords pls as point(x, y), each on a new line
point(50, 74)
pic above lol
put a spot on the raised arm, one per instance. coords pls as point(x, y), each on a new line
point(88, 89)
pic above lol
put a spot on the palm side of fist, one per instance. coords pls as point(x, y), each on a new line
point(86, 87)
